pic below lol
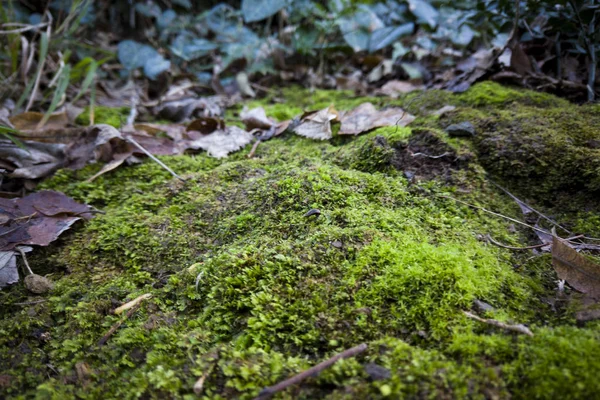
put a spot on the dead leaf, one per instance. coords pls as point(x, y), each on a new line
point(28, 121)
point(37, 161)
point(366, 117)
point(220, 143)
point(206, 125)
point(519, 60)
point(443, 110)
point(317, 124)
point(175, 132)
point(39, 218)
point(256, 118)
point(8, 268)
point(395, 88)
point(580, 273)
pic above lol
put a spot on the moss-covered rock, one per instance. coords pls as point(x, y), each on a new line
point(247, 291)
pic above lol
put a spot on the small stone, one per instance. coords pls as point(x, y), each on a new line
point(482, 306)
point(377, 372)
point(409, 175)
point(314, 211)
point(38, 284)
point(462, 129)
point(337, 244)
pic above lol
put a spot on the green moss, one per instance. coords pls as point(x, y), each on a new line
point(115, 116)
point(249, 291)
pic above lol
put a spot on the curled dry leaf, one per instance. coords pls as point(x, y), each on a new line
point(9, 273)
point(366, 117)
point(256, 118)
point(37, 161)
point(317, 124)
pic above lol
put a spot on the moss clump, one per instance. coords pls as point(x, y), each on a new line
point(249, 291)
point(115, 116)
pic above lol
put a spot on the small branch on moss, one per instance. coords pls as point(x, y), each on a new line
point(515, 328)
point(427, 155)
point(516, 221)
point(271, 390)
point(151, 156)
point(251, 154)
point(116, 326)
point(535, 246)
point(519, 202)
point(30, 303)
point(132, 303)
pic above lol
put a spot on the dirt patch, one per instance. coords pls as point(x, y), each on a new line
point(425, 156)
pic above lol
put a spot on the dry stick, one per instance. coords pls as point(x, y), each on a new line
point(271, 390)
point(251, 154)
point(496, 214)
point(535, 246)
point(156, 160)
point(116, 326)
point(515, 198)
point(20, 250)
point(29, 303)
point(515, 328)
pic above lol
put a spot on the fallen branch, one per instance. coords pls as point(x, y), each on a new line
point(515, 328)
point(271, 390)
point(132, 303)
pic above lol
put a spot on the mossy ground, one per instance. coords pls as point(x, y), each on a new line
point(249, 291)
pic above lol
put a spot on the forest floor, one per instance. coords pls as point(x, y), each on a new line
point(247, 290)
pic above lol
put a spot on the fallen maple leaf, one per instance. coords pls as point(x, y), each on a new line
point(366, 117)
point(317, 124)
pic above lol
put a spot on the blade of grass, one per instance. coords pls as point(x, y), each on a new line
point(44, 38)
point(8, 132)
point(61, 89)
point(89, 78)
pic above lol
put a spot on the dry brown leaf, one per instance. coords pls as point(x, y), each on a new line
point(366, 117)
point(220, 143)
point(28, 121)
point(396, 88)
point(317, 124)
point(206, 125)
point(38, 161)
point(39, 218)
point(580, 273)
point(256, 118)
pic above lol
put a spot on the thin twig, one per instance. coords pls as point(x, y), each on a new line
point(156, 160)
point(20, 250)
point(515, 198)
point(428, 156)
point(30, 303)
point(271, 390)
point(515, 328)
point(24, 29)
point(253, 150)
point(516, 221)
point(116, 326)
point(535, 246)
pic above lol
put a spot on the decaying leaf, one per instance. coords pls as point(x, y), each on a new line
point(256, 118)
point(28, 121)
point(366, 117)
point(317, 124)
point(206, 125)
point(36, 161)
point(8, 268)
point(220, 143)
point(580, 273)
point(395, 88)
point(39, 218)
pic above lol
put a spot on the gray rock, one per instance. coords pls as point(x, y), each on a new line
point(482, 306)
point(462, 129)
point(377, 372)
